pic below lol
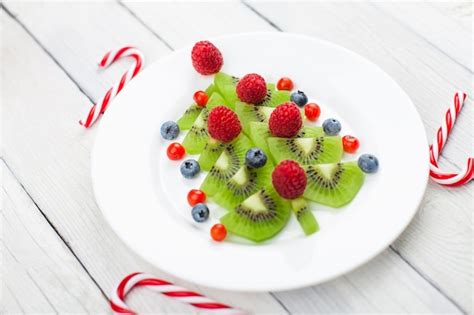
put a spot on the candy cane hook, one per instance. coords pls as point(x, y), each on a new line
point(117, 299)
point(449, 179)
point(109, 58)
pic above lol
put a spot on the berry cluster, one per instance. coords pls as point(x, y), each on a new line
point(212, 118)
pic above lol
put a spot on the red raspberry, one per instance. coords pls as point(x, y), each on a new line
point(289, 179)
point(252, 89)
point(223, 124)
point(285, 121)
point(207, 59)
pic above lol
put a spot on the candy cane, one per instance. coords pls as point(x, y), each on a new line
point(449, 179)
point(166, 288)
point(109, 58)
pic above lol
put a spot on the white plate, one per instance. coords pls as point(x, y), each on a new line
point(143, 195)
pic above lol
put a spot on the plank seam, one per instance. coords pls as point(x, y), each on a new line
point(426, 40)
point(427, 279)
point(260, 15)
point(144, 24)
point(55, 229)
point(23, 26)
point(280, 302)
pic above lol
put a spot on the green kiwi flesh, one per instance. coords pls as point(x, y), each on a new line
point(275, 97)
point(259, 133)
point(304, 216)
point(244, 183)
point(250, 113)
point(228, 163)
point(333, 185)
point(259, 217)
point(196, 138)
point(306, 151)
point(192, 112)
point(216, 99)
point(226, 85)
point(211, 152)
point(189, 117)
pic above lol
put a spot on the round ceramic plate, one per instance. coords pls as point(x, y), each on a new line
point(143, 196)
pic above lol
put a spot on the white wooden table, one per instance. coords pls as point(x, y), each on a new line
point(58, 253)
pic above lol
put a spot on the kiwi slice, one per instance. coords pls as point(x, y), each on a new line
point(211, 152)
point(196, 138)
point(248, 113)
point(275, 97)
point(211, 89)
point(306, 151)
point(333, 185)
point(192, 112)
point(304, 216)
point(226, 85)
point(216, 99)
point(228, 163)
point(189, 117)
point(244, 183)
point(259, 217)
point(259, 133)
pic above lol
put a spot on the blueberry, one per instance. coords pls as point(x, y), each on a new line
point(368, 163)
point(190, 168)
point(169, 130)
point(255, 158)
point(200, 212)
point(299, 98)
point(331, 126)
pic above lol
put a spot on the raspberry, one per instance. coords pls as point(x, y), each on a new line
point(207, 59)
point(285, 121)
point(252, 89)
point(289, 179)
point(223, 124)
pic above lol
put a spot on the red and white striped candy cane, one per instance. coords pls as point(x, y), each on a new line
point(449, 179)
point(109, 58)
point(117, 299)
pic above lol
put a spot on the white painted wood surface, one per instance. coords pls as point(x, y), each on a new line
point(49, 54)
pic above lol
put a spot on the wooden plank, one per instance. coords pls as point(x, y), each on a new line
point(50, 154)
point(385, 285)
point(77, 35)
point(430, 78)
point(40, 274)
point(436, 27)
point(196, 20)
point(459, 11)
point(362, 301)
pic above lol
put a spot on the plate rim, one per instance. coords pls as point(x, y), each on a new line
point(282, 287)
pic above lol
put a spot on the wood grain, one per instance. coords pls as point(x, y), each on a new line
point(50, 154)
point(459, 11)
point(446, 35)
point(40, 274)
point(51, 159)
point(430, 77)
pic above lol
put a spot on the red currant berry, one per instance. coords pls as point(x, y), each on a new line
point(200, 97)
point(196, 196)
point(218, 232)
point(350, 144)
point(285, 84)
point(175, 151)
point(312, 111)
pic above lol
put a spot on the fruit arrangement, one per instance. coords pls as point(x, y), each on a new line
point(262, 157)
